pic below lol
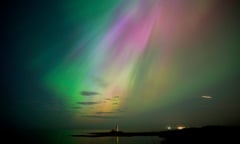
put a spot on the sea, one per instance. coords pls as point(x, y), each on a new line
point(65, 137)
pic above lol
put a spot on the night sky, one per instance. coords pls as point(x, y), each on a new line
point(144, 64)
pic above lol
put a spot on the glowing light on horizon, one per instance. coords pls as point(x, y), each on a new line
point(181, 127)
point(206, 97)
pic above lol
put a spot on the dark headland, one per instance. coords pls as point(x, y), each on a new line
point(224, 134)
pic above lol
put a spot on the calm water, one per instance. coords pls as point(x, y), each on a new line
point(121, 140)
point(65, 137)
point(115, 140)
point(204, 135)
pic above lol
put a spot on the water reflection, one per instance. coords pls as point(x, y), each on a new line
point(118, 140)
point(207, 134)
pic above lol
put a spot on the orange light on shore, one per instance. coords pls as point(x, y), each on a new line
point(180, 127)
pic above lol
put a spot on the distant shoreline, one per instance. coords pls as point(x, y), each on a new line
point(203, 134)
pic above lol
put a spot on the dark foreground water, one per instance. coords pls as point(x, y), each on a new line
point(208, 134)
point(65, 137)
point(120, 140)
point(114, 140)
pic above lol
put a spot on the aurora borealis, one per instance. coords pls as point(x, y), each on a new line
point(148, 63)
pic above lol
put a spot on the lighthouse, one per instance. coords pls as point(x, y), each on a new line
point(116, 129)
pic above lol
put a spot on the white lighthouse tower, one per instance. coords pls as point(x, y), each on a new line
point(116, 129)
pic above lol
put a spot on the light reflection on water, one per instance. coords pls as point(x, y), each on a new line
point(65, 137)
point(114, 140)
point(117, 140)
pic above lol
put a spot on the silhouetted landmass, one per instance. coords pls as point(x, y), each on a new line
point(224, 134)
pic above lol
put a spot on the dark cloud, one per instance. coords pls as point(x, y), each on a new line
point(105, 112)
point(88, 103)
point(101, 117)
point(89, 93)
point(112, 112)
